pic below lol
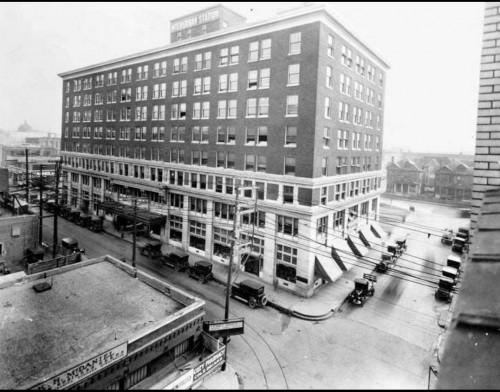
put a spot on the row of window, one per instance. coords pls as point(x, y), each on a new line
point(258, 50)
point(253, 135)
point(362, 93)
point(255, 107)
point(257, 79)
point(367, 71)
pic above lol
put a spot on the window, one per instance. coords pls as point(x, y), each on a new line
point(249, 162)
point(292, 105)
point(322, 225)
point(98, 115)
point(370, 74)
point(259, 79)
point(288, 194)
point(342, 139)
point(380, 79)
point(251, 107)
point(380, 101)
point(356, 140)
point(326, 137)
point(222, 83)
point(112, 78)
point(295, 43)
point(125, 114)
point(360, 66)
point(235, 55)
point(293, 74)
point(328, 107)
point(324, 166)
point(126, 94)
point(233, 82)
point(226, 135)
point(357, 115)
point(206, 85)
point(346, 56)
point(160, 69)
point(99, 100)
point(379, 122)
point(288, 225)
point(343, 112)
point(264, 53)
point(224, 57)
point(329, 76)
point(141, 93)
point(141, 113)
point(323, 196)
point(345, 84)
point(341, 165)
point(110, 115)
point(99, 80)
point(330, 46)
point(232, 108)
point(110, 97)
point(291, 136)
point(142, 72)
point(263, 108)
point(377, 143)
point(198, 205)
point(124, 133)
point(222, 109)
point(289, 166)
point(126, 75)
point(76, 101)
point(140, 133)
point(205, 110)
point(261, 163)
point(202, 61)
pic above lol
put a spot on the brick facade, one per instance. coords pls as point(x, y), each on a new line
point(487, 159)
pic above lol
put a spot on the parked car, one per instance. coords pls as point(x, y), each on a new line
point(151, 249)
point(71, 245)
point(96, 224)
point(459, 244)
point(363, 288)
point(463, 232)
point(177, 262)
point(400, 241)
point(451, 273)
point(250, 291)
point(447, 237)
point(201, 270)
point(388, 260)
point(444, 290)
point(83, 220)
point(455, 262)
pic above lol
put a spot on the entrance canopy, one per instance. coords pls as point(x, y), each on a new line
point(378, 231)
point(357, 245)
point(342, 254)
point(146, 217)
point(368, 238)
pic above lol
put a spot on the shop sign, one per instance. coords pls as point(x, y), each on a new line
point(85, 369)
point(210, 363)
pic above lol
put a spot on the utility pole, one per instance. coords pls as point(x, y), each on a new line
point(41, 205)
point(27, 179)
point(231, 256)
point(134, 232)
point(56, 209)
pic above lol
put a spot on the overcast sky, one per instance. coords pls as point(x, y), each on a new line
point(433, 49)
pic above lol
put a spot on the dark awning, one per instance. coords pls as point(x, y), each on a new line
point(146, 217)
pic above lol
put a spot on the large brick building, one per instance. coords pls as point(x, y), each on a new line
point(291, 106)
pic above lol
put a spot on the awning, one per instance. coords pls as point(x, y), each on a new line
point(357, 245)
point(377, 230)
point(342, 254)
point(327, 268)
point(146, 217)
point(142, 185)
point(368, 238)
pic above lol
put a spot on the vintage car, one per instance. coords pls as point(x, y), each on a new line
point(74, 215)
point(176, 261)
point(201, 270)
point(450, 272)
point(455, 262)
point(363, 288)
point(447, 237)
point(444, 290)
point(400, 241)
point(151, 249)
point(459, 244)
point(388, 261)
point(83, 220)
point(96, 224)
point(71, 245)
point(249, 291)
point(463, 232)
point(64, 211)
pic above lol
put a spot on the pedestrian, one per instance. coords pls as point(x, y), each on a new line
point(428, 235)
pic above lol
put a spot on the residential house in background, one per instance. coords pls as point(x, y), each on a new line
point(454, 182)
point(404, 178)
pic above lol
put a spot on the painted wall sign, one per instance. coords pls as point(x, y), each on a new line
point(204, 17)
point(183, 382)
point(85, 369)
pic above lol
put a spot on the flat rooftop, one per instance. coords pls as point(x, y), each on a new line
point(90, 309)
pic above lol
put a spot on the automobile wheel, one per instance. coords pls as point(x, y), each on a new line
point(436, 295)
point(263, 301)
point(177, 268)
point(188, 273)
point(252, 302)
point(201, 279)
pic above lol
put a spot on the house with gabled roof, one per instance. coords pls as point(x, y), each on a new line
point(404, 178)
point(454, 182)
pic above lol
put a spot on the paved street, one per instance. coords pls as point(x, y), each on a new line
point(388, 343)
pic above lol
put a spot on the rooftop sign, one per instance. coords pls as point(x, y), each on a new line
point(85, 369)
point(195, 20)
